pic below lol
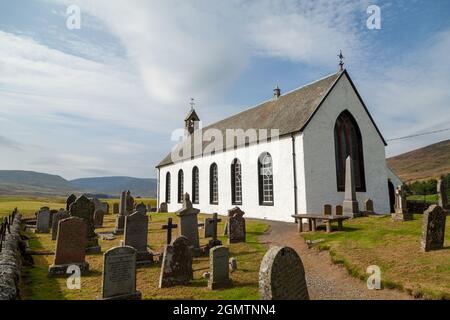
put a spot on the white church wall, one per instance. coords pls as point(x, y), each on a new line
point(393, 177)
point(319, 153)
point(281, 152)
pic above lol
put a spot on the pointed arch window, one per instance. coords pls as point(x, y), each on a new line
point(236, 182)
point(195, 185)
point(265, 179)
point(180, 186)
point(348, 141)
point(168, 187)
point(213, 184)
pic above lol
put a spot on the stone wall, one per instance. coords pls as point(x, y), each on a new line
point(10, 262)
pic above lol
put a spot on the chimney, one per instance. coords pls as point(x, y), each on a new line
point(276, 92)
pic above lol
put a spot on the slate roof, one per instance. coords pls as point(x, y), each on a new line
point(289, 113)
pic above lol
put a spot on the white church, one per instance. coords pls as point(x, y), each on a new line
point(287, 156)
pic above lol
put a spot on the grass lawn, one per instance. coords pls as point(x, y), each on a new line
point(395, 248)
point(37, 286)
point(432, 198)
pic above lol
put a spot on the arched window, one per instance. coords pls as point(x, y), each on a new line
point(236, 182)
point(347, 141)
point(265, 179)
point(180, 186)
point(168, 187)
point(213, 184)
point(195, 185)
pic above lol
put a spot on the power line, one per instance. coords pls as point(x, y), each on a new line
point(419, 134)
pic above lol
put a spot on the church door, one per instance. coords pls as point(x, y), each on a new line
point(391, 196)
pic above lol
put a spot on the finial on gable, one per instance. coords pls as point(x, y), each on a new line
point(341, 60)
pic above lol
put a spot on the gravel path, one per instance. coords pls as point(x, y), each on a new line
point(326, 281)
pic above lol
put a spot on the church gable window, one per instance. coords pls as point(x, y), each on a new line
point(265, 179)
point(213, 184)
point(168, 187)
point(195, 185)
point(348, 141)
point(236, 182)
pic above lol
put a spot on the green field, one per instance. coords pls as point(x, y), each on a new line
point(395, 248)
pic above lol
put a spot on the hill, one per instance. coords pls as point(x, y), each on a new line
point(422, 164)
point(115, 185)
point(17, 182)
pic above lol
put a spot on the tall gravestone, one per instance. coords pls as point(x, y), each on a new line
point(120, 219)
point(189, 223)
point(442, 193)
point(236, 226)
point(61, 214)
point(176, 266)
point(350, 204)
point(433, 228)
point(98, 218)
point(218, 268)
point(70, 199)
point(129, 203)
point(282, 275)
point(119, 274)
point(43, 221)
point(83, 208)
point(136, 236)
point(401, 213)
point(70, 246)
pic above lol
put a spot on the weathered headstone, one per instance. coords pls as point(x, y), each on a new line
point(71, 199)
point(84, 208)
point(350, 204)
point(52, 213)
point(98, 218)
point(401, 213)
point(70, 246)
point(169, 226)
point(236, 225)
point(442, 193)
point(136, 236)
point(339, 210)
point(327, 210)
point(120, 219)
point(61, 214)
point(163, 208)
point(368, 206)
point(115, 208)
point(129, 204)
point(119, 274)
point(189, 223)
point(208, 229)
point(211, 224)
point(176, 266)
point(43, 220)
point(433, 228)
point(282, 275)
point(218, 268)
point(141, 208)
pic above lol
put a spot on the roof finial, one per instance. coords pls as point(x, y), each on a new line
point(341, 60)
point(192, 103)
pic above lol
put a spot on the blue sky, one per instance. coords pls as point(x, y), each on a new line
point(105, 99)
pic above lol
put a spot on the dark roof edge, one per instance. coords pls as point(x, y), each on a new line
point(357, 94)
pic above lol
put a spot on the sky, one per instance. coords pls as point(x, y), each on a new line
point(105, 99)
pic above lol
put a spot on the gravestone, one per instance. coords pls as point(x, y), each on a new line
point(169, 226)
point(208, 228)
point(233, 264)
point(129, 204)
point(327, 210)
point(218, 268)
point(236, 225)
point(115, 208)
point(120, 219)
point(339, 210)
point(119, 274)
point(84, 208)
point(211, 224)
point(71, 199)
point(176, 266)
point(61, 214)
point(282, 275)
point(350, 204)
point(52, 213)
point(136, 236)
point(442, 193)
point(141, 208)
point(368, 206)
point(401, 213)
point(43, 220)
point(70, 246)
point(189, 223)
point(433, 228)
point(163, 208)
point(98, 218)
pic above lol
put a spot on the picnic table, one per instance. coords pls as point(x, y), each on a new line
point(312, 221)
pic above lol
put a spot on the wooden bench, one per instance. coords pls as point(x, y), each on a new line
point(312, 221)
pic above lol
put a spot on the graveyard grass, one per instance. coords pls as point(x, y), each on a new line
point(37, 286)
point(395, 248)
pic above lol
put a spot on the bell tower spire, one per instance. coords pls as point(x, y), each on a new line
point(191, 122)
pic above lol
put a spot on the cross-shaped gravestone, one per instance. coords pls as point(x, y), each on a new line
point(213, 224)
point(169, 226)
